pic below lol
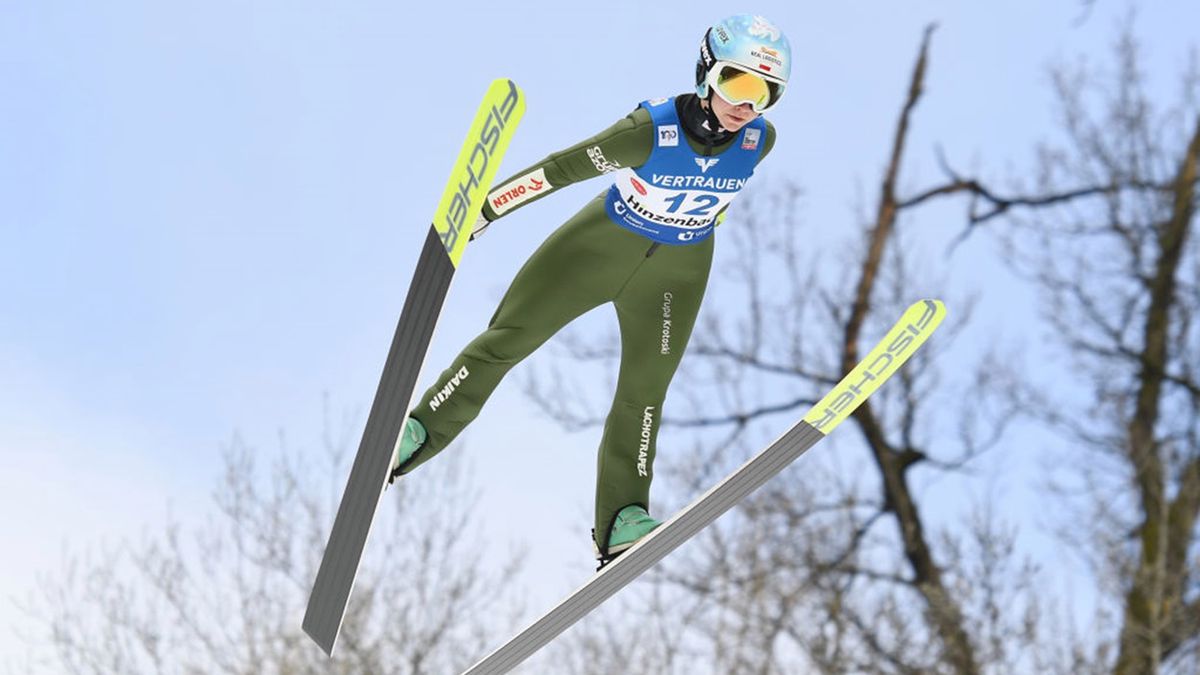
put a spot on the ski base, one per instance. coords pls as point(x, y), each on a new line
point(474, 170)
point(372, 464)
point(917, 324)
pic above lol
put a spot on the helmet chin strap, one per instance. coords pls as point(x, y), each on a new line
point(699, 121)
point(710, 117)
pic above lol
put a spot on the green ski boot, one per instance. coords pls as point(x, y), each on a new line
point(632, 523)
point(412, 437)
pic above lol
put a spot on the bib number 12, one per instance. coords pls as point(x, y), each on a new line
point(705, 204)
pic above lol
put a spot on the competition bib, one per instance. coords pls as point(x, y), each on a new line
point(675, 197)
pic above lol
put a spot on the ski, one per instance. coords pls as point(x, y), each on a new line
point(462, 201)
point(909, 333)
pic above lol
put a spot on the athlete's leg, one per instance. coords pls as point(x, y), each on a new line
point(579, 267)
point(657, 310)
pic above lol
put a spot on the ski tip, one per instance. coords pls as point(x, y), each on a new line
point(929, 302)
point(491, 131)
point(503, 89)
point(921, 319)
point(935, 307)
point(503, 84)
point(910, 332)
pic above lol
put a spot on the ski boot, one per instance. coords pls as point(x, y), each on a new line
point(631, 524)
point(412, 437)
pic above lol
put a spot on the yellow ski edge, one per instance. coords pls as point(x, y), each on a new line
point(902, 341)
point(476, 166)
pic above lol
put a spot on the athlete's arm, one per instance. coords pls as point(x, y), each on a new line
point(625, 144)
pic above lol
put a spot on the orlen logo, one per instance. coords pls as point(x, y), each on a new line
point(519, 191)
point(638, 186)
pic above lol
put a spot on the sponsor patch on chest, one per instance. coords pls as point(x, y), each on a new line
point(750, 140)
point(668, 136)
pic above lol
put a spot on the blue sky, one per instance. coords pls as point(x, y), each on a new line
point(210, 212)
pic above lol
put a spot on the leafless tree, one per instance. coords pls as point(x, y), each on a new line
point(808, 574)
point(1120, 273)
point(808, 571)
point(227, 595)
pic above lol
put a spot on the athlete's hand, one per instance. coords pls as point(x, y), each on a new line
point(481, 226)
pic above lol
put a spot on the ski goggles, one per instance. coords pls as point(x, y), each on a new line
point(737, 86)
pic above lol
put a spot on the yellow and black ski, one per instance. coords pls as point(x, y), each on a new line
point(461, 204)
point(901, 342)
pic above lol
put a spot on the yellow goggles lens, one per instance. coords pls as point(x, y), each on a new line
point(738, 86)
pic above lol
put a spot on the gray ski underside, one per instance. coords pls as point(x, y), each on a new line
point(698, 515)
point(352, 525)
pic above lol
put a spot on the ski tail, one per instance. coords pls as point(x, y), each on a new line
point(902, 341)
point(474, 171)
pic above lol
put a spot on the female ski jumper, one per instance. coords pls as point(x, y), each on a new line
point(645, 245)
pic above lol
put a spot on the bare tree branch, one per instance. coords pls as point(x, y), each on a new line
point(226, 595)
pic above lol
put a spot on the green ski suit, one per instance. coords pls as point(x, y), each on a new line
point(588, 261)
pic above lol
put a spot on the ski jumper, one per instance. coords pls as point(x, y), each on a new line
point(645, 245)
